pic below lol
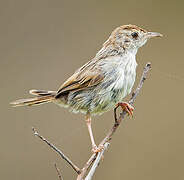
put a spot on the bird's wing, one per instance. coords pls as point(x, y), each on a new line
point(87, 76)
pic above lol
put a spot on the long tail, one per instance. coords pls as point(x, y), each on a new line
point(41, 98)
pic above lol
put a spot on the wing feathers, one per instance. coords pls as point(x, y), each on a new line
point(85, 77)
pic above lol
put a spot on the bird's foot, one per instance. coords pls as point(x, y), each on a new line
point(127, 107)
point(96, 149)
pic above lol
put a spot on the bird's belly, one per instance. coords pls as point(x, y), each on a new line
point(95, 103)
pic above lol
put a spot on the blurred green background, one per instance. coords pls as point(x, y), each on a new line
point(43, 42)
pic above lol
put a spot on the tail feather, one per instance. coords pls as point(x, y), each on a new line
point(42, 92)
point(41, 98)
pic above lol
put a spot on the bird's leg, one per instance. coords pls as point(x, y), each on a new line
point(95, 149)
point(127, 107)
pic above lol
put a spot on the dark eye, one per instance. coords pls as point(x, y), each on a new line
point(134, 35)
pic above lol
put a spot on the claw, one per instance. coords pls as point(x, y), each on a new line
point(127, 107)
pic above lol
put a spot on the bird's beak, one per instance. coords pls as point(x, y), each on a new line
point(153, 34)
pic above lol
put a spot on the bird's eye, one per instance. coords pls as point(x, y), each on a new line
point(134, 35)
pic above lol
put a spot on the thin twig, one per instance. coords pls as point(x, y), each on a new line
point(58, 172)
point(115, 126)
point(143, 78)
point(77, 170)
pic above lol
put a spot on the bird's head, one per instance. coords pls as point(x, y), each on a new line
point(130, 37)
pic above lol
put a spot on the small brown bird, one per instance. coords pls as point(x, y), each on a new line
point(103, 82)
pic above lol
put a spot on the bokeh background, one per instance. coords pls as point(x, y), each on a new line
point(43, 42)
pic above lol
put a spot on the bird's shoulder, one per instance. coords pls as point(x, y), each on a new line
point(88, 75)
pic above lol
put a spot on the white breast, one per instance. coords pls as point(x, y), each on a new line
point(119, 77)
point(121, 72)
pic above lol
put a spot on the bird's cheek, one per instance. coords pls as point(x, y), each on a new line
point(127, 43)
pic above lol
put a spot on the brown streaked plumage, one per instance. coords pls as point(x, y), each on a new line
point(102, 83)
point(80, 80)
point(118, 30)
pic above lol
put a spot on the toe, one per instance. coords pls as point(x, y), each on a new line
point(96, 149)
point(127, 107)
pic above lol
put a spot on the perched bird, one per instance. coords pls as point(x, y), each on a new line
point(103, 82)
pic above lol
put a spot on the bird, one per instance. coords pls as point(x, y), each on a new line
point(103, 82)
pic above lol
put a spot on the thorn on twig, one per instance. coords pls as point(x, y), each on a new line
point(115, 114)
point(58, 172)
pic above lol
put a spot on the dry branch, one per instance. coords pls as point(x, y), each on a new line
point(58, 151)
